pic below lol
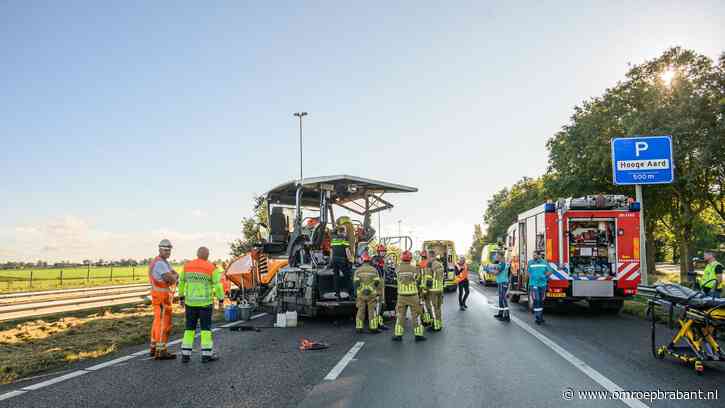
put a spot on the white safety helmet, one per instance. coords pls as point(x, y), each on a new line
point(165, 243)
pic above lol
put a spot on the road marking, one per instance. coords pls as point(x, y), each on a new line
point(111, 362)
point(595, 375)
point(344, 361)
point(11, 394)
point(55, 380)
point(106, 364)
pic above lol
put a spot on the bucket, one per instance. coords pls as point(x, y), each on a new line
point(245, 311)
point(291, 318)
point(281, 320)
point(231, 314)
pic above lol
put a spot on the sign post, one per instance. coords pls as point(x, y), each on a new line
point(640, 160)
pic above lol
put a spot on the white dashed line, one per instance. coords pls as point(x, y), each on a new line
point(595, 375)
point(111, 362)
point(344, 361)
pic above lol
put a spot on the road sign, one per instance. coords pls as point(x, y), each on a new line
point(642, 160)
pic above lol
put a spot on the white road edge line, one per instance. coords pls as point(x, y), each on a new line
point(595, 375)
point(344, 361)
point(11, 394)
point(55, 380)
point(97, 367)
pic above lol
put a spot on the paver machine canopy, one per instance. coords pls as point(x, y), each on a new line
point(308, 206)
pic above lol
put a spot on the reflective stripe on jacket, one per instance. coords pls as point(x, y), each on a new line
point(436, 274)
point(709, 275)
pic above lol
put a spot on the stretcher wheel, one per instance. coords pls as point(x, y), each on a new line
point(699, 367)
point(660, 354)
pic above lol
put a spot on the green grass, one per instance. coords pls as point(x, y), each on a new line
point(53, 278)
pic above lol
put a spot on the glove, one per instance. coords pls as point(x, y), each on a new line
point(181, 302)
point(221, 303)
point(429, 284)
point(367, 292)
point(376, 283)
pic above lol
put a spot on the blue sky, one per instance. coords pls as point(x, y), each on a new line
point(126, 122)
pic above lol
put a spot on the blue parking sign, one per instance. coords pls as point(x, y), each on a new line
point(642, 160)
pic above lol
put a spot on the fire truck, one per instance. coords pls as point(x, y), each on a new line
point(591, 244)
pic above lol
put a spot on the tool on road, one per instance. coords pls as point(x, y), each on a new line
point(700, 318)
point(307, 344)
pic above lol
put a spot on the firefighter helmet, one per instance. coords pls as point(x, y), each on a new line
point(381, 248)
point(406, 256)
point(423, 254)
point(365, 257)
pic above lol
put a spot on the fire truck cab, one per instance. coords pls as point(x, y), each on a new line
point(591, 244)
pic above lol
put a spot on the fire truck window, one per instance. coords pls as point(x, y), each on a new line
point(592, 246)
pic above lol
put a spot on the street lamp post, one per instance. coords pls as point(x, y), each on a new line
point(300, 115)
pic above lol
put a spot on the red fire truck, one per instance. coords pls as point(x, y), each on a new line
point(591, 243)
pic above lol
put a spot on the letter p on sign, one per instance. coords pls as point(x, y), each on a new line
point(640, 147)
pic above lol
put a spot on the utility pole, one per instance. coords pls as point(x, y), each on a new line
point(399, 221)
point(300, 115)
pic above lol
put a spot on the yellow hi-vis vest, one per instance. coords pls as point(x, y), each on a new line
point(407, 280)
point(436, 273)
point(709, 275)
point(367, 280)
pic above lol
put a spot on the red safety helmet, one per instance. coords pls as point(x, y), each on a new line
point(423, 254)
point(406, 256)
point(365, 257)
point(381, 248)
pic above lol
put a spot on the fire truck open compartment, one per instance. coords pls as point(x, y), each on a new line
point(592, 247)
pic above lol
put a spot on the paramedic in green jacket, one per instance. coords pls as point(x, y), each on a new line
point(711, 280)
point(539, 272)
point(199, 282)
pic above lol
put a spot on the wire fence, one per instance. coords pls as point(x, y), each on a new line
point(48, 278)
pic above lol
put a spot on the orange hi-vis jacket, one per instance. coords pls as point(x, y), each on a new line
point(463, 275)
point(157, 287)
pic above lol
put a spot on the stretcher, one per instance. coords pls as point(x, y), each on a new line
point(699, 319)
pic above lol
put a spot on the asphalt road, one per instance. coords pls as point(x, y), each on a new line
point(476, 361)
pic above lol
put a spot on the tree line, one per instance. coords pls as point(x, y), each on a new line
point(680, 93)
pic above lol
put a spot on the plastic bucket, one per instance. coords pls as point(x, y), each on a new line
point(231, 314)
point(291, 318)
point(245, 311)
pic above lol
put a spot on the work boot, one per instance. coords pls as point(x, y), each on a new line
point(207, 359)
point(465, 306)
point(397, 338)
point(164, 355)
point(505, 318)
point(359, 331)
point(383, 327)
point(185, 359)
point(461, 307)
point(420, 338)
point(498, 316)
point(374, 331)
point(152, 352)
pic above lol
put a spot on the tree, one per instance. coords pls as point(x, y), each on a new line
point(250, 228)
point(504, 207)
point(689, 108)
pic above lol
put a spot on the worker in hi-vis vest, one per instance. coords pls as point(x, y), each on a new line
point(162, 278)
point(199, 285)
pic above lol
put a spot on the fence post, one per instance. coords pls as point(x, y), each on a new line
point(88, 274)
point(111, 273)
point(133, 273)
point(31, 279)
point(61, 278)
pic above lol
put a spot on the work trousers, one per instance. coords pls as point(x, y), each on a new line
point(463, 292)
point(201, 315)
point(436, 300)
point(538, 293)
point(405, 302)
point(370, 305)
point(161, 326)
point(341, 266)
point(427, 307)
point(503, 303)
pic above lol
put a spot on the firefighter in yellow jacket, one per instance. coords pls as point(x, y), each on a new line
point(367, 284)
point(423, 276)
point(434, 284)
point(407, 298)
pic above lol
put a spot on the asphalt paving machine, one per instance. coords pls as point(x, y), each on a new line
point(289, 269)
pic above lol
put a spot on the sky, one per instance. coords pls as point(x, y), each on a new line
point(123, 123)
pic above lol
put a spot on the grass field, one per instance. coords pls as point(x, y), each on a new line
point(51, 278)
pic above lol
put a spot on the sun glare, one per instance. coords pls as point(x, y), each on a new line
point(667, 76)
